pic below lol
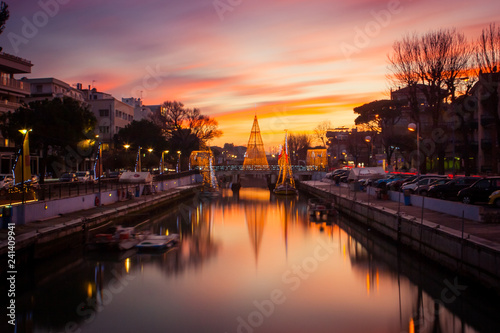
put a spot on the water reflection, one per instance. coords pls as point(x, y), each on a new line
point(251, 261)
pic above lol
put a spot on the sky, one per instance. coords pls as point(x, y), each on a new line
point(294, 64)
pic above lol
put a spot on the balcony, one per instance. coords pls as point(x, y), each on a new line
point(13, 85)
point(9, 106)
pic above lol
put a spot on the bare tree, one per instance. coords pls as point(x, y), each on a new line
point(432, 65)
point(488, 49)
point(320, 132)
point(204, 127)
point(403, 65)
point(298, 143)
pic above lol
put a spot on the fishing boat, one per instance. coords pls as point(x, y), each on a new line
point(285, 184)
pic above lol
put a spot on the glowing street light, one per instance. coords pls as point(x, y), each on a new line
point(413, 127)
point(162, 164)
point(179, 161)
point(24, 133)
point(368, 139)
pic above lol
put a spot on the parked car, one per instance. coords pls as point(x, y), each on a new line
point(423, 180)
point(423, 189)
point(6, 180)
point(480, 190)
point(68, 177)
point(406, 179)
point(339, 175)
point(494, 199)
point(450, 189)
point(84, 176)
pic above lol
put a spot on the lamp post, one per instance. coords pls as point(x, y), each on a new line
point(126, 146)
point(162, 164)
point(24, 133)
point(368, 139)
point(179, 161)
point(413, 127)
point(150, 150)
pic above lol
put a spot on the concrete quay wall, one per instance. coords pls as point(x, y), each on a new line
point(471, 256)
point(44, 210)
point(52, 235)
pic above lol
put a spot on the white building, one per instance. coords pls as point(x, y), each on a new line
point(50, 88)
point(112, 114)
point(140, 111)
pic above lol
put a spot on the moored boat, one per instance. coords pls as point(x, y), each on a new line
point(116, 238)
point(158, 242)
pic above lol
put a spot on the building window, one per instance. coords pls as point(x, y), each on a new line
point(104, 129)
point(104, 112)
point(39, 88)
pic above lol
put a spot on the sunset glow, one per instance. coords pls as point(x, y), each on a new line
point(292, 63)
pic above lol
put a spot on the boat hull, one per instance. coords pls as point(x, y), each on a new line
point(285, 190)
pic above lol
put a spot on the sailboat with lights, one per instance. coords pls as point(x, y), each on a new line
point(210, 183)
point(285, 184)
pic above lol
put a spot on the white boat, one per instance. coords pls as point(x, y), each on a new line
point(116, 238)
point(158, 242)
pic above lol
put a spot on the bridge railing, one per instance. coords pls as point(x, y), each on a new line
point(262, 168)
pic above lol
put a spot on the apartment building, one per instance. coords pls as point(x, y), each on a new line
point(112, 114)
point(50, 88)
point(12, 94)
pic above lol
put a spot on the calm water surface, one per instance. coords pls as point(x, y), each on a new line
point(252, 263)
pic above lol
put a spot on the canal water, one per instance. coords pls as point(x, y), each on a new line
point(251, 262)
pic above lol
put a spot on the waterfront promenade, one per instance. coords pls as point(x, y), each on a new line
point(29, 233)
point(486, 233)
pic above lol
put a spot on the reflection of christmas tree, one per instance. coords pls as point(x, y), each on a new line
point(256, 220)
point(255, 155)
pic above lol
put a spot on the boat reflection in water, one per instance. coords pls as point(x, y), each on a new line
point(251, 261)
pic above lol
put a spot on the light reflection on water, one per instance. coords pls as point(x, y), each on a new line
point(247, 263)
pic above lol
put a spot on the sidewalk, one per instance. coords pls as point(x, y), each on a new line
point(489, 232)
point(28, 231)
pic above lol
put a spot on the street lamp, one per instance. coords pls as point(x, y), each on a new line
point(413, 127)
point(24, 132)
point(368, 139)
point(126, 146)
point(162, 164)
point(179, 161)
